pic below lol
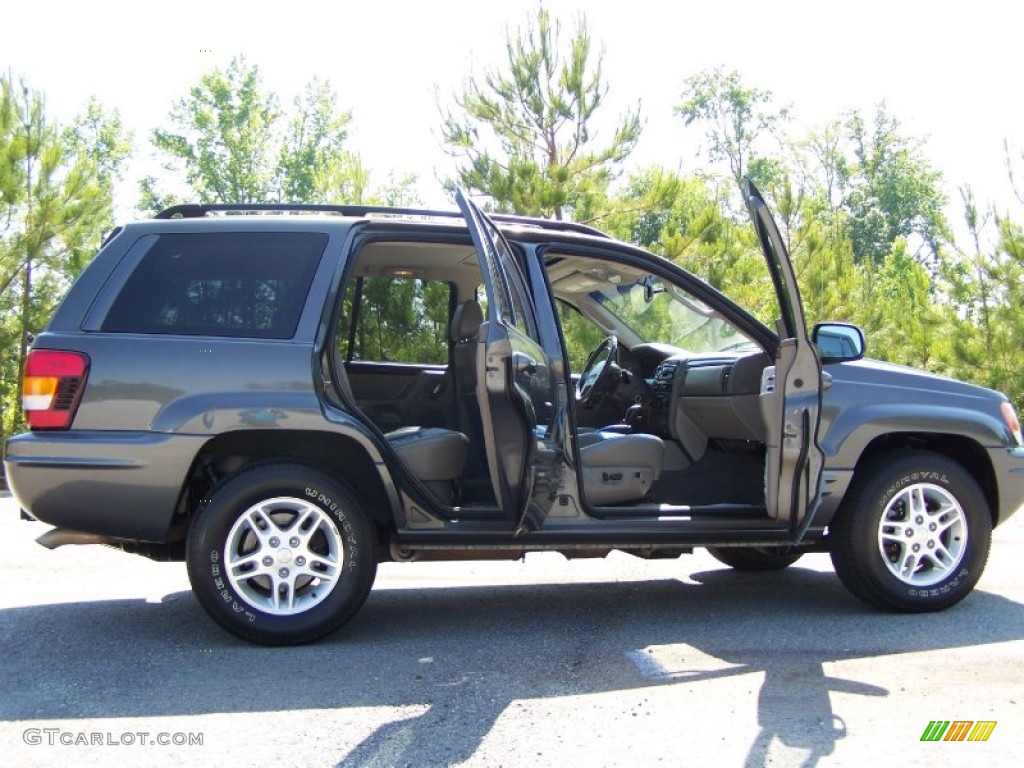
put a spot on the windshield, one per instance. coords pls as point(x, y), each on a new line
point(657, 312)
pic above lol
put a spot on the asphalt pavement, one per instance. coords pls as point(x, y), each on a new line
point(108, 660)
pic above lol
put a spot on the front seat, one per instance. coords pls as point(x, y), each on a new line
point(466, 322)
point(619, 468)
point(475, 484)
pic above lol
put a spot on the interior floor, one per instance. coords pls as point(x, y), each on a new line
point(725, 474)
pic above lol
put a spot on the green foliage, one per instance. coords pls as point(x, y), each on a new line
point(899, 308)
point(891, 190)
point(225, 135)
point(100, 136)
point(691, 226)
point(55, 202)
point(233, 143)
point(522, 136)
point(314, 151)
point(986, 287)
point(399, 321)
point(735, 117)
point(97, 138)
point(581, 336)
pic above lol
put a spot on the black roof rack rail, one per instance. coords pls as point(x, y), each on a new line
point(199, 210)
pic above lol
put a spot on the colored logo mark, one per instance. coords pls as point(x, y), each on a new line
point(958, 730)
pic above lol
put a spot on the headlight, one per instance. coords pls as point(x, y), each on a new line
point(1010, 417)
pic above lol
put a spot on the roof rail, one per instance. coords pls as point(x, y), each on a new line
point(200, 210)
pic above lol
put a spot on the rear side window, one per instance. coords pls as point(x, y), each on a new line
point(395, 320)
point(241, 284)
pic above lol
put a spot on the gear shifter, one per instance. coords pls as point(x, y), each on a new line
point(634, 417)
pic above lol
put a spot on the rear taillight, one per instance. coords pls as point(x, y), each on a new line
point(52, 387)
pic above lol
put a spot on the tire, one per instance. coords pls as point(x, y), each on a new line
point(304, 554)
point(913, 533)
point(756, 558)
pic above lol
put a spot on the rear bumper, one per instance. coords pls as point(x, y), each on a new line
point(123, 484)
point(1009, 469)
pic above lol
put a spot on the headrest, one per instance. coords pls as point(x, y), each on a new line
point(466, 321)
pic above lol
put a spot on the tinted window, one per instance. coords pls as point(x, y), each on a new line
point(221, 284)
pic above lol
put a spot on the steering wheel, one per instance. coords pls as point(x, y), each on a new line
point(600, 374)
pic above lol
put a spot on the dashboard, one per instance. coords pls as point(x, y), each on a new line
point(706, 396)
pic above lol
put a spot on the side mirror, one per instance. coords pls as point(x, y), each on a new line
point(838, 342)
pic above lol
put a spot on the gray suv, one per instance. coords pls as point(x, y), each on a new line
point(285, 396)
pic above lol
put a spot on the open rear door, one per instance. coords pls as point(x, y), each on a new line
point(790, 390)
point(516, 388)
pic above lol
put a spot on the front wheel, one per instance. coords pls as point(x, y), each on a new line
point(756, 558)
point(913, 533)
point(282, 554)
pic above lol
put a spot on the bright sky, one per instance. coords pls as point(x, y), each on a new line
point(950, 72)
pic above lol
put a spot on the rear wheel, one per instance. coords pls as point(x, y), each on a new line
point(756, 558)
point(282, 554)
point(913, 533)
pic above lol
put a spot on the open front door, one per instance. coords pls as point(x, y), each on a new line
point(516, 387)
point(790, 390)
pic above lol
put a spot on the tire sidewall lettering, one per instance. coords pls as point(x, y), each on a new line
point(938, 478)
point(942, 588)
point(337, 511)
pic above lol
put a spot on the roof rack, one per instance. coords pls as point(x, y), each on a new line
point(200, 210)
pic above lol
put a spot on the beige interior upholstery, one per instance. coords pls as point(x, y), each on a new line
point(619, 468)
point(465, 328)
point(466, 321)
point(435, 456)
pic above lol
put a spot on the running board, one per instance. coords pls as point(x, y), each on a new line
point(676, 511)
point(620, 534)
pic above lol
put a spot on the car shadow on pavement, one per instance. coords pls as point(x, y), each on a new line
point(467, 654)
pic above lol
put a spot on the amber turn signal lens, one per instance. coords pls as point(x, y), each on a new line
point(1010, 417)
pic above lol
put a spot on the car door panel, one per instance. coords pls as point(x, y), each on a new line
point(514, 382)
point(790, 390)
point(507, 416)
point(402, 395)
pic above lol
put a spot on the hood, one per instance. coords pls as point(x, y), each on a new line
point(878, 373)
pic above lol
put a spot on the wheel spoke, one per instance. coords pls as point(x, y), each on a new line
point(943, 557)
point(258, 517)
point(275, 592)
point(908, 564)
point(315, 519)
point(948, 519)
point(937, 566)
point(917, 504)
point(239, 564)
point(321, 568)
